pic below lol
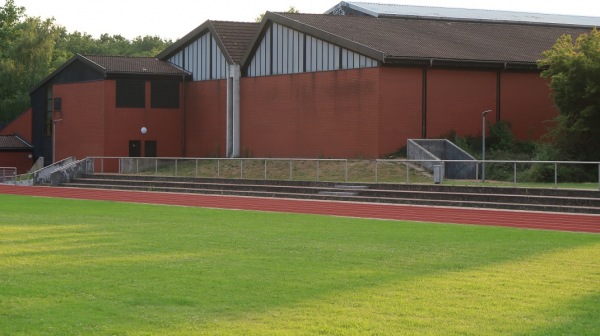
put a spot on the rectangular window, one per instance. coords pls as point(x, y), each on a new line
point(57, 104)
point(165, 93)
point(131, 93)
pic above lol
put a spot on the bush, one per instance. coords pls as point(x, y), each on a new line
point(501, 137)
point(566, 173)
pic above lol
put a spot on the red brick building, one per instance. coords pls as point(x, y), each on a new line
point(301, 85)
point(15, 144)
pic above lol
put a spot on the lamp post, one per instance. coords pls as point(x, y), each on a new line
point(483, 144)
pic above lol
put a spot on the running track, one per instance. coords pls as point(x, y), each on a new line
point(519, 219)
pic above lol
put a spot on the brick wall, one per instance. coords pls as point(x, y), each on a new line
point(124, 124)
point(333, 114)
point(400, 108)
point(206, 112)
point(79, 129)
point(20, 160)
point(527, 104)
point(21, 126)
point(456, 98)
point(91, 125)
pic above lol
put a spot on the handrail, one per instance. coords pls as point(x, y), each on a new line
point(7, 174)
point(132, 165)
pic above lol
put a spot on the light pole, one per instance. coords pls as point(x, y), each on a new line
point(483, 144)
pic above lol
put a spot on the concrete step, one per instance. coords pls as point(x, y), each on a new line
point(587, 201)
point(337, 193)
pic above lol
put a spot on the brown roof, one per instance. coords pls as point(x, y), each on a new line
point(13, 142)
point(133, 65)
point(119, 65)
point(235, 36)
point(232, 37)
point(426, 39)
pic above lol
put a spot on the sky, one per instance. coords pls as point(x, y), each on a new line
point(173, 19)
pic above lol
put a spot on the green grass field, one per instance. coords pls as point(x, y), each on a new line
point(74, 267)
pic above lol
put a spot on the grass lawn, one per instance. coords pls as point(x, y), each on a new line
point(74, 267)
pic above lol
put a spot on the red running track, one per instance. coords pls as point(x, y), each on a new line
point(519, 219)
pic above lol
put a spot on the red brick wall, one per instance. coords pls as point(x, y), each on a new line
point(92, 125)
point(455, 100)
point(206, 113)
point(21, 126)
point(400, 108)
point(80, 129)
point(324, 114)
point(20, 160)
point(526, 104)
point(124, 124)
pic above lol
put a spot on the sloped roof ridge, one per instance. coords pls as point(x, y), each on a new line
point(231, 21)
point(421, 39)
point(284, 14)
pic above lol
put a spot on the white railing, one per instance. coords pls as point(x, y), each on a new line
point(345, 170)
point(7, 174)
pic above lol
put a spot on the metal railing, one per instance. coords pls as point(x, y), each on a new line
point(514, 173)
point(7, 174)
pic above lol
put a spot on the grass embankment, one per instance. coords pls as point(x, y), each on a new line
point(71, 267)
point(296, 170)
point(354, 171)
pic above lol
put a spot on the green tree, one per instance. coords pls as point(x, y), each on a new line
point(27, 48)
point(291, 10)
point(31, 48)
point(573, 68)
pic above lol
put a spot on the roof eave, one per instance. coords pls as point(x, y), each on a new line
point(115, 75)
point(440, 62)
point(77, 57)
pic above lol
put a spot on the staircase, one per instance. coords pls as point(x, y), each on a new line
point(529, 199)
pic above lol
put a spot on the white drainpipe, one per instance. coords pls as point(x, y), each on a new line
point(233, 111)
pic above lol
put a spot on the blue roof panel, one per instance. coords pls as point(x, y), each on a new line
point(466, 14)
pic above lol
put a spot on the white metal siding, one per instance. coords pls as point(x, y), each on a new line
point(203, 58)
point(294, 52)
point(261, 62)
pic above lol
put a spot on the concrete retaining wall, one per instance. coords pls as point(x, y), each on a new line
point(442, 149)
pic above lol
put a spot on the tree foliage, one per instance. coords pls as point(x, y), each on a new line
point(291, 10)
point(573, 68)
point(31, 48)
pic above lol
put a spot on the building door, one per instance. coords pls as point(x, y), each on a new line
point(135, 148)
point(150, 148)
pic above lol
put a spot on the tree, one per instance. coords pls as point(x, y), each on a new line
point(31, 48)
point(27, 48)
point(291, 10)
point(573, 68)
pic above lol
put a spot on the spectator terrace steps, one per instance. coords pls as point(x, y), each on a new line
point(547, 200)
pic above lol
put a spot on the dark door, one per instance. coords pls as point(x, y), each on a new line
point(150, 148)
point(135, 148)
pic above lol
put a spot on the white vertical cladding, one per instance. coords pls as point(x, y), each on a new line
point(285, 51)
point(286, 43)
point(203, 58)
point(219, 67)
point(261, 62)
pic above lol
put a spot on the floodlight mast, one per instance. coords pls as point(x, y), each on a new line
point(483, 144)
